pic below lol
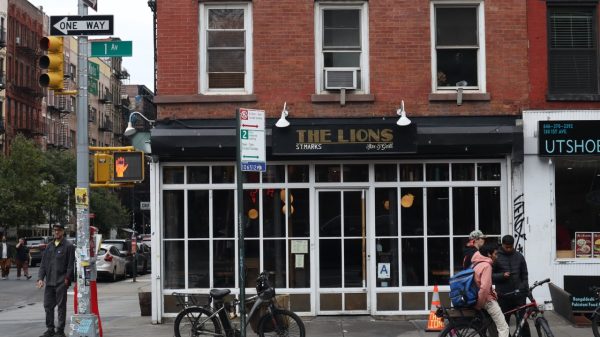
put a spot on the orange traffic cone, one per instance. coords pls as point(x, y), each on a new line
point(435, 323)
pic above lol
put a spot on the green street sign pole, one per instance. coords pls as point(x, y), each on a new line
point(240, 211)
point(111, 48)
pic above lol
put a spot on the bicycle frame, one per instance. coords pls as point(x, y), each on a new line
point(528, 310)
point(219, 307)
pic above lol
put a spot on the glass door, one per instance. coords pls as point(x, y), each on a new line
point(342, 244)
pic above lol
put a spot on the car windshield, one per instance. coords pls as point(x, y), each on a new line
point(102, 251)
point(34, 242)
point(118, 245)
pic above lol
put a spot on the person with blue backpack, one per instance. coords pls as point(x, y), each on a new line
point(483, 262)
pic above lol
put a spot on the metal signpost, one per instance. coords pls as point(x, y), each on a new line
point(111, 48)
point(251, 156)
point(82, 25)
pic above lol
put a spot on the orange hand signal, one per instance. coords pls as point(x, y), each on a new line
point(121, 167)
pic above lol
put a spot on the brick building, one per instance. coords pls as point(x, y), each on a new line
point(561, 146)
point(355, 213)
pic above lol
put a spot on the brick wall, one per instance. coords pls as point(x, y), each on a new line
point(400, 61)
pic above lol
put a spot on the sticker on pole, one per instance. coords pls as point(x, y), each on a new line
point(252, 140)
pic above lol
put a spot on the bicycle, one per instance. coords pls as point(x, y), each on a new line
point(214, 320)
point(596, 314)
point(469, 322)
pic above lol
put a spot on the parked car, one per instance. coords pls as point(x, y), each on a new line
point(125, 248)
point(36, 245)
point(143, 258)
point(110, 263)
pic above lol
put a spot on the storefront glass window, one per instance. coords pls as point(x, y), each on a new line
point(274, 174)
point(411, 172)
point(330, 208)
point(223, 263)
point(577, 208)
point(274, 261)
point(354, 263)
point(412, 262)
point(387, 252)
point(386, 172)
point(223, 214)
point(489, 210)
point(274, 210)
point(174, 276)
point(330, 263)
point(198, 214)
point(411, 211)
point(252, 261)
point(488, 171)
point(437, 172)
point(199, 265)
point(252, 212)
point(223, 174)
point(298, 211)
point(251, 177)
point(173, 223)
point(299, 263)
point(297, 173)
point(356, 173)
point(438, 217)
point(330, 173)
point(463, 210)
point(386, 211)
point(463, 171)
point(438, 260)
point(197, 174)
point(173, 175)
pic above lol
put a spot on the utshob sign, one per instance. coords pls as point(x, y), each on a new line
point(568, 138)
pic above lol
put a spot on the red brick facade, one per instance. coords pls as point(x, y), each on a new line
point(400, 61)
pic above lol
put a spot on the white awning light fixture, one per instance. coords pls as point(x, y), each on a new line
point(283, 122)
point(403, 120)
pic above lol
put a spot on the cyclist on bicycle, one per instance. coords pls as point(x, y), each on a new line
point(487, 299)
point(510, 274)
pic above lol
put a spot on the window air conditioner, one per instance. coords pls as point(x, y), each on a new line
point(340, 78)
point(17, 40)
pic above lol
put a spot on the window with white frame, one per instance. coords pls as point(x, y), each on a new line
point(458, 54)
point(226, 49)
point(341, 47)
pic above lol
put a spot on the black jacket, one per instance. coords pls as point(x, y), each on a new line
point(515, 264)
point(468, 251)
point(58, 263)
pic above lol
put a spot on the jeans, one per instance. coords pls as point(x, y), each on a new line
point(498, 317)
point(56, 297)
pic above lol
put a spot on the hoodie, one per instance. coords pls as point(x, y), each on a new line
point(483, 279)
point(468, 250)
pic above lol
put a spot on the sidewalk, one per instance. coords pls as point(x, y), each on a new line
point(120, 314)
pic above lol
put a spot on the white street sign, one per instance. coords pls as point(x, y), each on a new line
point(252, 140)
point(82, 25)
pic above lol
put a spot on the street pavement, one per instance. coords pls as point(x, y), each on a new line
point(120, 315)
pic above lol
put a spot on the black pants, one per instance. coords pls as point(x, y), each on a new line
point(511, 302)
point(56, 296)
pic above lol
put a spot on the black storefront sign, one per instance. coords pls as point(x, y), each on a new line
point(569, 138)
point(579, 288)
point(346, 139)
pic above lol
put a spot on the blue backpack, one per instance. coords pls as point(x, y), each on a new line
point(463, 289)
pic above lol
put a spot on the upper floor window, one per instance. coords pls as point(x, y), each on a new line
point(226, 49)
point(572, 50)
point(342, 47)
point(458, 55)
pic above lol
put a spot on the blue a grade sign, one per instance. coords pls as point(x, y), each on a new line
point(254, 166)
point(569, 138)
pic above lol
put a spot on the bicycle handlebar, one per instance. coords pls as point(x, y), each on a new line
point(527, 291)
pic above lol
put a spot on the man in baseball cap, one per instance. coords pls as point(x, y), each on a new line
point(56, 273)
point(476, 240)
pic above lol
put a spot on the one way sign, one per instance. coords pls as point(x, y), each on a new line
point(82, 25)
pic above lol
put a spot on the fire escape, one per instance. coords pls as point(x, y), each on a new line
point(105, 124)
point(30, 121)
point(2, 84)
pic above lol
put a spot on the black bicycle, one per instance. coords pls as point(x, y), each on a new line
point(596, 314)
point(213, 319)
point(477, 323)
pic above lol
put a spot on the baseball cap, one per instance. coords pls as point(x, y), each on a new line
point(59, 225)
point(477, 234)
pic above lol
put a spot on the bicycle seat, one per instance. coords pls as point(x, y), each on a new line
point(218, 294)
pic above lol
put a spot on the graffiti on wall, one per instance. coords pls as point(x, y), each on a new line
point(519, 221)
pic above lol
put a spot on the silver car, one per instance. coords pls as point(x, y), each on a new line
point(110, 263)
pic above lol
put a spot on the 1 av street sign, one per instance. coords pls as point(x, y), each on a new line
point(82, 25)
point(111, 48)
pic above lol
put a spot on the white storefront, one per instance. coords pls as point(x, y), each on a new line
point(562, 208)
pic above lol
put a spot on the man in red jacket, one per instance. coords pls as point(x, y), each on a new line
point(487, 299)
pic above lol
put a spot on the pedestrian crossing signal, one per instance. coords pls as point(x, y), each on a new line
point(128, 166)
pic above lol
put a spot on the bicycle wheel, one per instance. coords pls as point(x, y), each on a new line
point(542, 327)
point(281, 323)
point(596, 324)
point(462, 329)
point(196, 321)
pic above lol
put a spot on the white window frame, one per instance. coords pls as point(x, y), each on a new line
point(481, 56)
point(364, 37)
point(203, 74)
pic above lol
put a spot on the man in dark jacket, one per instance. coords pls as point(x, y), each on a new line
point(476, 240)
point(57, 269)
point(510, 274)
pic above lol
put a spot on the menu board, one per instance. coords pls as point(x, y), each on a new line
point(583, 244)
point(596, 244)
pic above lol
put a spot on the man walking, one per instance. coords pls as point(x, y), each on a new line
point(22, 259)
point(6, 255)
point(510, 274)
point(56, 268)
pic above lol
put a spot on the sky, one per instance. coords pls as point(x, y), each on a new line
point(133, 22)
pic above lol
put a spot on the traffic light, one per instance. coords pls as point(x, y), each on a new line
point(53, 62)
point(128, 166)
point(102, 168)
